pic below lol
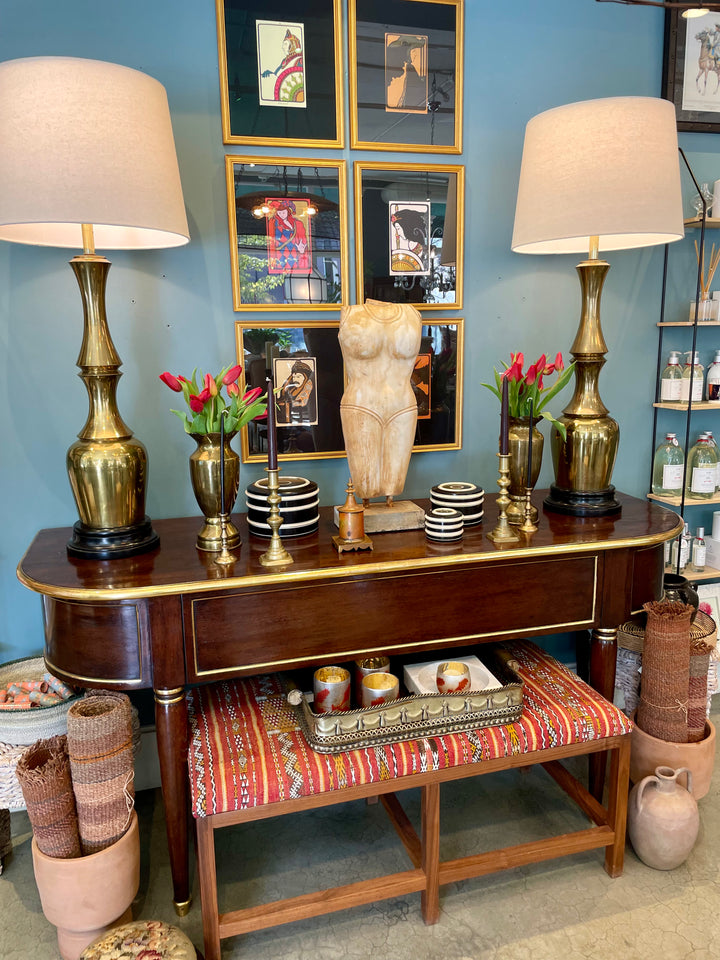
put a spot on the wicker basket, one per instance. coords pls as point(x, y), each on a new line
point(20, 728)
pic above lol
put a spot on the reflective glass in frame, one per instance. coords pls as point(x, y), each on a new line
point(410, 258)
point(406, 70)
point(311, 361)
point(281, 72)
point(288, 233)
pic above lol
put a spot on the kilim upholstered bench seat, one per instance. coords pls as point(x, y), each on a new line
point(248, 761)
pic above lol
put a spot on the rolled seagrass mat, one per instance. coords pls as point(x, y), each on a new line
point(5, 839)
point(663, 708)
point(44, 774)
point(702, 642)
point(101, 761)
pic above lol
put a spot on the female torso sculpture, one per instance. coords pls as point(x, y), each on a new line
point(380, 343)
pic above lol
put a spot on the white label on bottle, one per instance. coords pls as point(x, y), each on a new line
point(697, 388)
point(703, 479)
point(670, 390)
point(672, 476)
point(699, 555)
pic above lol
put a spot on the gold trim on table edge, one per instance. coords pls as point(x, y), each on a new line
point(357, 569)
point(125, 681)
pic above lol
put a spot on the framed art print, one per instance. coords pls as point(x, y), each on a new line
point(308, 374)
point(691, 70)
point(406, 74)
point(280, 72)
point(287, 228)
point(409, 233)
point(309, 377)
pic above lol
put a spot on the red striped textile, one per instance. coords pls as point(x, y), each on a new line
point(246, 748)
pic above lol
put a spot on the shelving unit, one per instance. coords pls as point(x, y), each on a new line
point(683, 502)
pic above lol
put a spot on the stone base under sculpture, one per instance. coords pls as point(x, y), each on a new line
point(381, 518)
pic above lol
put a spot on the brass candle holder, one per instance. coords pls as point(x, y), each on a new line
point(225, 556)
point(276, 555)
point(528, 526)
point(503, 531)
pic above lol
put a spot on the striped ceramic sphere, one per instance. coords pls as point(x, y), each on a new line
point(299, 507)
point(460, 495)
point(444, 524)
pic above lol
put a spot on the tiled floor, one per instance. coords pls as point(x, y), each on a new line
point(566, 908)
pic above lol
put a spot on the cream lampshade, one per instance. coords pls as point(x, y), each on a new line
point(596, 175)
point(87, 157)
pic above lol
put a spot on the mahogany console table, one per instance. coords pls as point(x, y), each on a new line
point(172, 617)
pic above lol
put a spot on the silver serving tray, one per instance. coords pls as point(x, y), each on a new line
point(421, 715)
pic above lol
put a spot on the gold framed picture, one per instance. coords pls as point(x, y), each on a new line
point(409, 233)
point(309, 375)
point(281, 72)
point(288, 233)
point(406, 75)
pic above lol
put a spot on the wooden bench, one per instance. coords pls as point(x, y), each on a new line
point(249, 761)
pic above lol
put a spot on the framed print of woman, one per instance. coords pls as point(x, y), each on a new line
point(409, 231)
point(288, 236)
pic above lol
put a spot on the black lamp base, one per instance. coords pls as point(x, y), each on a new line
point(113, 543)
point(582, 503)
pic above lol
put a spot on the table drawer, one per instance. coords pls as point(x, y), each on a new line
point(281, 627)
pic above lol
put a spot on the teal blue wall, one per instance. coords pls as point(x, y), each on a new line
point(173, 309)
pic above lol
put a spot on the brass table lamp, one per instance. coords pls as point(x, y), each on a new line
point(87, 157)
point(601, 174)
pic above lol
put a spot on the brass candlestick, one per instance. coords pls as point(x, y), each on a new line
point(527, 525)
point(276, 554)
point(225, 556)
point(503, 532)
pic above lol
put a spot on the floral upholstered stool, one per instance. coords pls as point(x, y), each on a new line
point(146, 939)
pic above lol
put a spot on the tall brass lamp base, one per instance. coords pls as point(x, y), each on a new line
point(584, 461)
point(107, 466)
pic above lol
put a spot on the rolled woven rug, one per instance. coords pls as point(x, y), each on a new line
point(663, 708)
point(101, 762)
point(44, 775)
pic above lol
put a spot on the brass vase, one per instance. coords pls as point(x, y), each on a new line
point(205, 478)
point(519, 436)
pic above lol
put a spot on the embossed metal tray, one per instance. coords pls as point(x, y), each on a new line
point(410, 718)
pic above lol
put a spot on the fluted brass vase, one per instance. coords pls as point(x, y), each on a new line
point(205, 478)
point(519, 434)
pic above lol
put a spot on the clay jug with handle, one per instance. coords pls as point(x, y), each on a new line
point(663, 820)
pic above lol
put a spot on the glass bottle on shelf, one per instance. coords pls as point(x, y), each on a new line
point(693, 369)
point(698, 550)
point(701, 471)
point(711, 441)
point(671, 378)
point(667, 476)
point(713, 379)
point(681, 546)
point(697, 202)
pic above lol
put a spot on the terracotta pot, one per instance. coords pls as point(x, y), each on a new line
point(86, 896)
point(663, 819)
point(647, 753)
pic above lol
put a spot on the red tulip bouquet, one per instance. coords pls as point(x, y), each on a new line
point(208, 405)
point(524, 387)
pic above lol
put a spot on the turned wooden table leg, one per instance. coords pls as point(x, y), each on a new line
point(171, 726)
point(603, 654)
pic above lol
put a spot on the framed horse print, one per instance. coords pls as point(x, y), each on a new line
point(288, 233)
point(691, 70)
point(406, 73)
point(281, 72)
